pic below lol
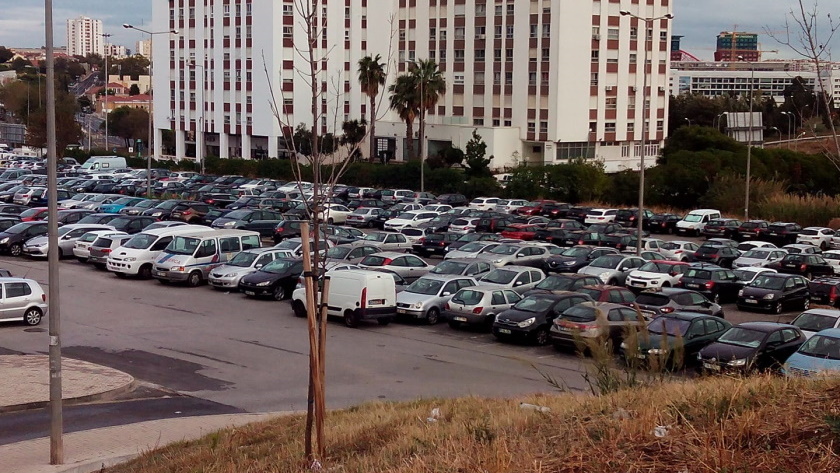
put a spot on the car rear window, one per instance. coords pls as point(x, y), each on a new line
point(657, 300)
point(808, 232)
point(698, 274)
point(580, 314)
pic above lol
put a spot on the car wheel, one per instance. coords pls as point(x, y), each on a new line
point(384, 321)
point(666, 284)
point(350, 319)
point(613, 282)
point(371, 224)
point(716, 298)
point(807, 304)
point(145, 271)
point(32, 316)
point(16, 249)
point(100, 266)
point(777, 308)
point(823, 246)
point(541, 337)
point(299, 309)
point(330, 221)
point(433, 316)
point(279, 293)
point(194, 280)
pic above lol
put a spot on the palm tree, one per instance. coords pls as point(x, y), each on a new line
point(406, 102)
point(372, 76)
point(431, 85)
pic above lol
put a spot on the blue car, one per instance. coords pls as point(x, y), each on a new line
point(819, 355)
point(119, 204)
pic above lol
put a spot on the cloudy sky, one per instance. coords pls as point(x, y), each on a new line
point(21, 21)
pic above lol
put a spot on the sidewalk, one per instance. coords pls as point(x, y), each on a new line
point(91, 450)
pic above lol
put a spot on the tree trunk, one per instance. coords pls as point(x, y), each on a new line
point(372, 135)
point(409, 134)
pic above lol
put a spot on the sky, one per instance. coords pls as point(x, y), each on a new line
point(699, 21)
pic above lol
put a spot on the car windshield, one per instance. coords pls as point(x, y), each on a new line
point(425, 286)
point(239, 214)
point(338, 252)
point(757, 254)
point(504, 250)
point(243, 259)
point(146, 204)
point(693, 218)
point(31, 212)
point(278, 266)
point(499, 276)
point(808, 232)
point(88, 237)
point(406, 216)
point(470, 237)
point(183, 245)
point(19, 228)
point(449, 267)
point(372, 260)
point(168, 204)
point(575, 252)
point(534, 304)
point(141, 241)
point(814, 322)
point(580, 314)
point(468, 297)
point(698, 274)
point(669, 325)
point(374, 237)
point(742, 337)
point(124, 201)
point(657, 267)
point(822, 346)
point(607, 261)
point(744, 275)
point(473, 247)
point(555, 283)
point(768, 282)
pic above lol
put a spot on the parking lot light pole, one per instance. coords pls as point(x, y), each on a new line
point(199, 150)
point(749, 142)
point(648, 38)
point(105, 108)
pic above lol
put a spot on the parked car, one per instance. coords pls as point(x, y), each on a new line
point(519, 254)
point(572, 259)
point(801, 248)
point(386, 241)
point(190, 212)
point(774, 293)
point(751, 346)
point(409, 267)
point(518, 278)
point(600, 216)
point(716, 283)
point(139, 207)
point(678, 250)
point(454, 200)
point(520, 231)
point(722, 256)
point(22, 300)
point(817, 236)
point(470, 250)
point(510, 205)
point(102, 247)
point(748, 274)
point(13, 238)
point(663, 223)
point(613, 269)
point(130, 224)
point(409, 219)
point(813, 321)
point(263, 221)
point(629, 217)
point(350, 253)
point(563, 282)
point(478, 306)
point(695, 221)
point(607, 293)
point(656, 302)
point(656, 274)
point(759, 257)
point(781, 233)
point(276, 279)
point(819, 356)
point(474, 268)
point(227, 276)
point(355, 296)
point(472, 237)
point(38, 247)
point(674, 339)
point(81, 249)
point(594, 323)
point(825, 291)
point(555, 210)
point(807, 265)
point(434, 244)
point(426, 297)
point(8, 222)
point(755, 244)
point(531, 318)
point(751, 230)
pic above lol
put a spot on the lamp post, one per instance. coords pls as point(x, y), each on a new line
point(107, 73)
point(777, 130)
point(749, 142)
point(420, 144)
point(199, 150)
point(688, 120)
point(149, 139)
point(789, 116)
point(716, 122)
point(647, 21)
point(796, 141)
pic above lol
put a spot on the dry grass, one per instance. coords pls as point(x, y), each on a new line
point(762, 424)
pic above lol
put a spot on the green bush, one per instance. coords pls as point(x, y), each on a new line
point(808, 210)
point(727, 193)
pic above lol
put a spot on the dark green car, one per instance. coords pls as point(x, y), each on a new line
point(682, 333)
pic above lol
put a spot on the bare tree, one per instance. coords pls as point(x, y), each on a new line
point(808, 35)
point(327, 167)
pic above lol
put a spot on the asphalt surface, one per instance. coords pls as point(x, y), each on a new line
point(252, 355)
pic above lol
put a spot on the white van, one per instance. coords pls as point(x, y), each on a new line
point(190, 258)
point(356, 295)
point(695, 221)
point(137, 256)
point(103, 163)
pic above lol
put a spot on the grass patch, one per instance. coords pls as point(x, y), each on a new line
point(711, 425)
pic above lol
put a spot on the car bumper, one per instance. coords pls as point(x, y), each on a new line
point(122, 267)
point(98, 259)
point(636, 284)
point(223, 283)
point(376, 313)
point(756, 304)
point(470, 319)
point(167, 275)
point(254, 291)
point(36, 251)
point(413, 313)
point(512, 332)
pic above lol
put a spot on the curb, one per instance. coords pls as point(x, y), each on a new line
point(103, 396)
point(98, 465)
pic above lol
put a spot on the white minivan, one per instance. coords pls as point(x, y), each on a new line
point(190, 258)
point(356, 295)
point(137, 256)
point(695, 221)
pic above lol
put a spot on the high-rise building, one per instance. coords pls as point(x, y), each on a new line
point(541, 81)
point(84, 36)
point(732, 45)
point(142, 47)
point(116, 51)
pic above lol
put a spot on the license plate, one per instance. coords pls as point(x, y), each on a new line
point(636, 284)
point(160, 273)
point(817, 298)
point(459, 319)
point(710, 366)
point(772, 233)
point(376, 302)
point(692, 286)
point(566, 329)
point(504, 330)
point(250, 293)
point(401, 311)
point(751, 301)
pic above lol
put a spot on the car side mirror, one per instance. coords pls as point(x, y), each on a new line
point(517, 283)
point(519, 255)
point(258, 266)
point(692, 336)
point(446, 294)
point(623, 268)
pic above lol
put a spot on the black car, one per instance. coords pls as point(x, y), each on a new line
point(530, 319)
point(341, 235)
point(803, 264)
point(8, 222)
point(140, 207)
point(455, 200)
point(721, 228)
point(576, 257)
point(578, 213)
point(663, 223)
point(781, 233)
point(163, 210)
point(825, 291)
point(775, 292)
point(12, 240)
point(555, 210)
point(750, 346)
point(716, 283)
point(68, 216)
point(263, 221)
point(99, 218)
point(434, 244)
point(354, 204)
point(606, 228)
point(276, 279)
point(439, 223)
point(720, 255)
point(667, 300)
point(131, 224)
point(563, 282)
point(628, 217)
point(12, 209)
point(104, 187)
point(245, 202)
point(619, 241)
point(471, 237)
point(680, 333)
point(546, 233)
point(287, 229)
point(751, 230)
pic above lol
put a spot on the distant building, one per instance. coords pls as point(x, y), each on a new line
point(116, 51)
point(731, 45)
point(127, 81)
point(142, 47)
point(84, 36)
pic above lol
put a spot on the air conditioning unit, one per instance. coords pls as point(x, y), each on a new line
point(596, 37)
point(608, 88)
point(635, 88)
point(662, 88)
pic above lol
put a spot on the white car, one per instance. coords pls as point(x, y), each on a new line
point(510, 205)
point(678, 250)
point(81, 249)
point(471, 250)
point(463, 225)
point(439, 208)
point(759, 257)
point(335, 213)
point(654, 274)
point(832, 257)
point(748, 274)
point(817, 236)
point(22, 300)
point(484, 203)
point(409, 219)
point(600, 216)
point(751, 245)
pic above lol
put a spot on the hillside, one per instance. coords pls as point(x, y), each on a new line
point(763, 424)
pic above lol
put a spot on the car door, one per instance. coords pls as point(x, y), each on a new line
point(512, 297)
point(800, 291)
point(729, 283)
point(15, 299)
point(391, 242)
point(695, 302)
point(522, 282)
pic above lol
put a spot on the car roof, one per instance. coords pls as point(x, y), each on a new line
point(667, 261)
point(16, 279)
point(765, 326)
point(603, 305)
point(389, 254)
point(686, 315)
point(830, 332)
point(444, 277)
point(668, 291)
point(827, 312)
point(603, 287)
point(519, 268)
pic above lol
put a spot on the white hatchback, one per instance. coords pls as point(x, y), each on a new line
point(484, 203)
point(600, 216)
point(817, 236)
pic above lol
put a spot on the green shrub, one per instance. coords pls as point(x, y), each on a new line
point(808, 210)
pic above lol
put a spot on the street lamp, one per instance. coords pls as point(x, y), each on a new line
point(749, 142)
point(199, 150)
point(789, 117)
point(645, 95)
point(107, 73)
point(688, 120)
point(716, 121)
point(149, 138)
point(773, 128)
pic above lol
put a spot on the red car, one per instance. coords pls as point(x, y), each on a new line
point(520, 231)
point(534, 208)
point(35, 213)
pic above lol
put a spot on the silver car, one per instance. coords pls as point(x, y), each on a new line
point(67, 235)
point(759, 257)
point(517, 278)
point(426, 297)
point(478, 305)
point(81, 249)
point(409, 267)
point(22, 300)
point(349, 253)
point(386, 241)
point(519, 254)
point(245, 262)
point(363, 217)
point(474, 268)
point(613, 269)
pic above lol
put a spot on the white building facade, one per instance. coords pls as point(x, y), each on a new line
point(84, 36)
point(541, 81)
point(116, 51)
point(142, 47)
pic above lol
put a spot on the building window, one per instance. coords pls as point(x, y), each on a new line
point(510, 9)
point(478, 121)
point(532, 78)
point(497, 78)
point(612, 33)
point(402, 35)
point(432, 33)
point(660, 125)
point(509, 55)
point(509, 33)
point(497, 55)
point(532, 128)
point(574, 150)
point(287, 32)
point(459, 32)
point(458, 79)
point(593, 78)
point(594, 55)
point(227, 119)
point(459, 55)
point(478, 79)
point(480, 9)
point(227, 10)
point(479, 32)
point(508, 123)
point(508, 78)
point(546, 54)
point(546, 30)
point(609, 127)
point(498, 32)
point(611, 103)
point(533, 31)
point(238, 10)
point(663, 35)
point(632, 58)
point(498, 10)
point(288, 10)
point(625, 150)
point(631, 127)
point(496, 122)
point(543, 127)
point(634, 32)
point(442, 34)
point(248, 9)
point(479, 55)
point(442, 55)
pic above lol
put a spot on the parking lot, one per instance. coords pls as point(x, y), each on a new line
point(252, 354)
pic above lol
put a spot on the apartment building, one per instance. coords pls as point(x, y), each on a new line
point(542, 80)
point(116, 51)
point(84, 36)
point(142, 47)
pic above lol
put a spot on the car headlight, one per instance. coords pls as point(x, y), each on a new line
point(4, 241)
point(229, 275)
point(157, 214)
point(568, 263)
point(264, 283)
point(230, 224)
point(497, 317)
point(179, 269)
point(740, 362)
point(417, 305)
point(740, 293)
point(526, 322)
point(130, 259)
point(769, 297)
point(657, 351)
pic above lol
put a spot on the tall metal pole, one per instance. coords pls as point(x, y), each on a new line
point(420, 145)
point(105, 109)
point(640, 216)
point(56, 411)
point(149, 141)
point(199, 150)
point(749, 147)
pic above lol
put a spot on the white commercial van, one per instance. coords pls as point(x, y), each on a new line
point(191, 257)
point(695, 221)
point(103, 163)
point(356, 295)
point(137, 256)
